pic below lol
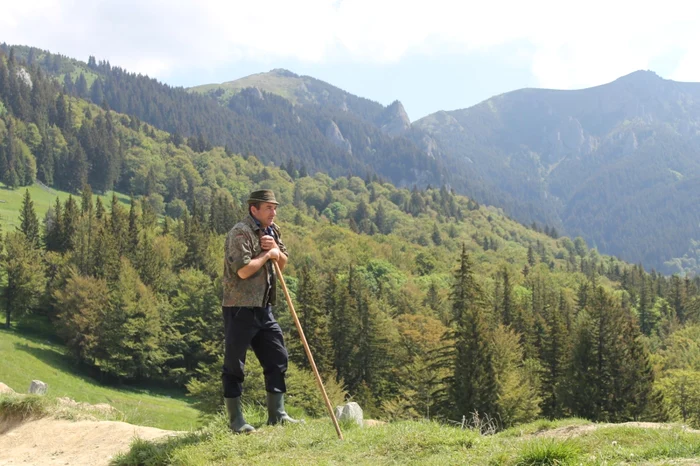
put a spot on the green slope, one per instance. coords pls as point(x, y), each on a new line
point(23, 359)
point(43, 197)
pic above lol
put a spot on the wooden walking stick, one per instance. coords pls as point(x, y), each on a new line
point(308, 351)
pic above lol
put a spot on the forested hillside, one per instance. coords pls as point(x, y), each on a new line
point(418, 303)
point(333, 142)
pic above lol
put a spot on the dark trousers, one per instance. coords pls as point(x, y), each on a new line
point(253, 327)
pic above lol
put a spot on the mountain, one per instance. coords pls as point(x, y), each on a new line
point(308, 92)
point(361, 127)
point(616, 164)
point(310, 138)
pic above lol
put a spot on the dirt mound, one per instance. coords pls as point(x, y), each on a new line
point(81, 443)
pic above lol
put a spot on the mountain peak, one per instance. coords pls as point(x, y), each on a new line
point(394, 120)
point(640, 76)
point(283, 73)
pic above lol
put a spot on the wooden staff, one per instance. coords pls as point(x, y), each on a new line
point(308, 351)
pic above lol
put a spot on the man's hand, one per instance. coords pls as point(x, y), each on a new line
point(267, 242)
point(273, 254)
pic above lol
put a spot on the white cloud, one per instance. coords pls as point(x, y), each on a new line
point(573, 44)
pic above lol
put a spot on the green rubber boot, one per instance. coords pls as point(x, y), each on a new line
point(236, 422)
point(275, 410)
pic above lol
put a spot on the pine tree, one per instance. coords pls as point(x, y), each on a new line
point(119, 226)
point(81, 87)
point(25, 276)
point(86, 205)
point(554, 352)
point(29, 223)
point(380, 219)
point(507, 306)
point(69, 224)
point(473, 385)
point(646, 319)
point(99, 209)
point(344, 326)
point(436, 237)
point(53, 228)
point(314, 321)
point(105, 253)
point(581, 387)
point(132, 232)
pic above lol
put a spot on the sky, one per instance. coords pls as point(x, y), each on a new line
point(430, 54)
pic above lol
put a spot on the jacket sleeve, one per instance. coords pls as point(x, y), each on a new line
point(239, 249)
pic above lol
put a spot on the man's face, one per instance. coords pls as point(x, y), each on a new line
point(265, 214)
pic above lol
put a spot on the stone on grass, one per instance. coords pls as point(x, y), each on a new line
point(37, 387)
point(349, 412)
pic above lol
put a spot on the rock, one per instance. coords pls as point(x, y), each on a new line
point(5, 390)
point(395, 120)
point(38, 387)
point(336, 137)
point(349, 412)
point(25, 76)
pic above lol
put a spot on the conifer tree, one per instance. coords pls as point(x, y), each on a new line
point(69, 224)
point(119, 225)
point(473, 385)
point(53, 227)
point(86, 205)
point(507, 307)
point(343, 326)
point(99, 209)
point(132, 232)
point(25, 276)
point(314, 321)
point(29, 224)
point(554, 352)
point(436, 237)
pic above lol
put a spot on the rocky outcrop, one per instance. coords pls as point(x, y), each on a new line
point(394, 121)
point(336, 137)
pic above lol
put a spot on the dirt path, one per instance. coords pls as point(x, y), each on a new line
point(76, 443)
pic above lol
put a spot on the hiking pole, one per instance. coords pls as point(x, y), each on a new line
point(308, 351)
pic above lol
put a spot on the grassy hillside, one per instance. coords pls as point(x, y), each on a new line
point(25, 359)
point(283, 85)
point(11, 202)
point(567, 442)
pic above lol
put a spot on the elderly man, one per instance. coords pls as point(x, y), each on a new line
point(249, 293)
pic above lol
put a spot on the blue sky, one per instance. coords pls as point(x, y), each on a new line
point(431, 55)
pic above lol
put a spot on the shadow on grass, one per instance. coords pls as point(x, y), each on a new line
point(159, 451)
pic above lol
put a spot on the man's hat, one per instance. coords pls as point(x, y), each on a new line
point(264, 195)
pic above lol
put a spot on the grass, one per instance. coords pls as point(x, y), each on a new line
point(20, 408)
point(424, 443)
point(25, 358)
point(11, 202)
point(283, 86)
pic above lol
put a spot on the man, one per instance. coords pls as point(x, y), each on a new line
point(249, 293)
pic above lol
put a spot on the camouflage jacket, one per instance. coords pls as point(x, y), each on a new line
point(242, 245)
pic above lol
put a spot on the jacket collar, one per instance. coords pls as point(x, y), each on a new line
point(254, 223)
